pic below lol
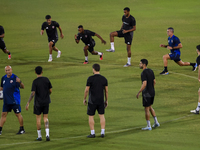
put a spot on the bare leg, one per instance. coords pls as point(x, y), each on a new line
point(181, 63)
point(50, 47)
point(46, 121)
point(102, 121)
point(152, 112)
point(94, 53)
point(20, 119)
point(55, 49)
point(85, 50)
point(147, 114)
point(3, 118)
point(112, 35)
point(165, 59)
point(38, 119)
point(91, 122)
point(128, 50)
point(6, 51)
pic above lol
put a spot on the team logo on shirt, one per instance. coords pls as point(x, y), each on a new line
point(11, 81)
point(126, 23)
point(47, 28)
point(86, 36)
point(171, 41)
point(52, 27)
point(3, 81)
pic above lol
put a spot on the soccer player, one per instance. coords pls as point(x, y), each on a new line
point(10, 85)
point(126, 31)
point(148, 93)
point(86, 37)
point(41, 89)
point(196, 111)
point(52, 34)
point(97, 86)
point(2, 43)
point(174, 46)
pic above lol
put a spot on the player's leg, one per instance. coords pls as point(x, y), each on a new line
point(93, 52)
point(112, 35)
point(181, 63)
point(101, 111)
point(85, 50)
point(156, 123)
point(165, 61)
point(17, 111)
point(196, 111)
point(46, 121)
point(3, 120)
point(38, 124)
point(146, 104)
point(91, 112)
point(57, 50)
point(50, 51)
point(4, 49)
point(128, 48)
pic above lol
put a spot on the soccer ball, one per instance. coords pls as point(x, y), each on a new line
point(1, 94)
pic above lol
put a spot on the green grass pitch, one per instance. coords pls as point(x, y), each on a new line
point(176, 94)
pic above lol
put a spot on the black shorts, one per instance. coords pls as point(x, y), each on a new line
point(93, 107)
point(175, 57)
point(15, 107)
point(54, 40)
point(127, 36)
point(41, 109)
point(2, 44)
point(91, 46)
point(148, 101)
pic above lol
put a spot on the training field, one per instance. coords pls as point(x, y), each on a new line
point(176, 93)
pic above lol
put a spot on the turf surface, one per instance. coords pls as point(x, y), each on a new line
point(176, 94)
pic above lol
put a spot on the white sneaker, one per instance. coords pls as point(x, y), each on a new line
point(147, 128)
point(110, 50)
point(156, 125)
point(59, 53)
point(194, 111)
point(127, 65)
point(50, 60)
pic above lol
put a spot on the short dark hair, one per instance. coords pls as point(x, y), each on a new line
point(47, 17)
point(80, 26)
point(96, 67)
point(127, 8)
point(144, 61)
point(170, 28)
point(38, 70)
point(198, 47)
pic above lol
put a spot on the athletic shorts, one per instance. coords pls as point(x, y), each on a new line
point(148, 101)
point(2, 44)
point(91, 46)
point(9, 107)
point(93, 107)
point(127, 36)
point(174, 56)
point(41, 109)
point(54, 40)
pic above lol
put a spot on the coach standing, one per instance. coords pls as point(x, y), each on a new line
point(96, 86)
point(41, 89)
point(10, 85)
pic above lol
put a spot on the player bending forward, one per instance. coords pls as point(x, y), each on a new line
point(148, 93)
point(86, 37)
point(2, 43)
point(52, 34)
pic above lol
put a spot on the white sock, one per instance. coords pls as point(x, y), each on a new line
point(86, 58)
point(102, 131)
point(148, 123)
point(47, 132)
point(92, 132)
point(39, 133)
point(129, 60)
point(50, 55)
point(59, 51)
point(112, 45)
point(155, 120)
point(198, 106)
point(99, 53)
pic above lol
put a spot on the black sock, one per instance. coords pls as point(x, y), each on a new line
point(0, 128)
point(165, 69)
point(21, 127)
point(9, 53)
point(192, 64)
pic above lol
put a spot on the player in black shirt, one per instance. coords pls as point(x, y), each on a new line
point(41, 89)
point(196, 111)
point(126, 31)
point(86, 37)
point(96, 86)
point(148, 93)
point(2, 43)
point(52, 34)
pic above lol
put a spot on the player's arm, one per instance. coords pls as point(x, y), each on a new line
point(85, 94)
point(1, 88)
point(102, 40)
point(165, 46)
point(106, 96)
point(154, 82)
point(30, 98)
point(61, 34)
point(42, 32)
point(50, 91)
point(144, 84)
point(76, 40)
point(199, 73)
point(2, 35)
point(126, 31)
point(20, 83)
point(176, 47)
